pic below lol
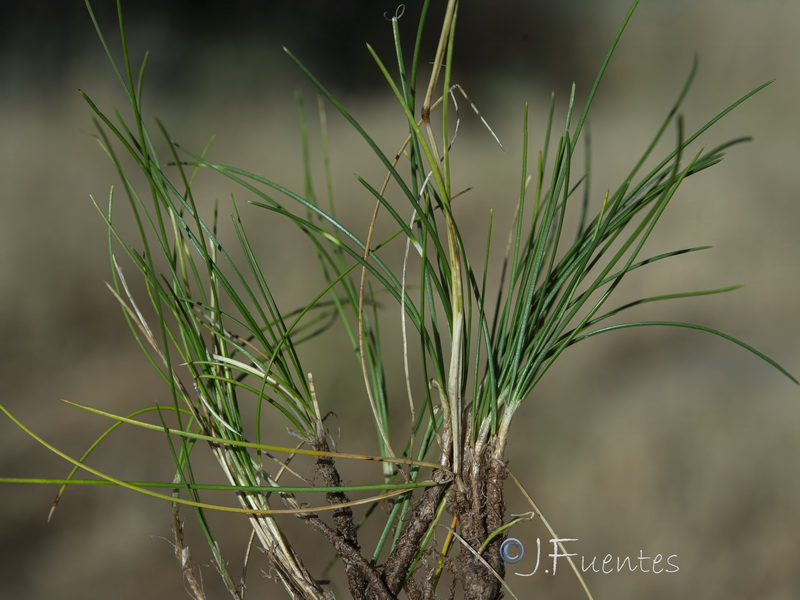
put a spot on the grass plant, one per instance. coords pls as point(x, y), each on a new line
point(209, 323)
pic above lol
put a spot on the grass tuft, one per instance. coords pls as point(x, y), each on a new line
point(208, 321)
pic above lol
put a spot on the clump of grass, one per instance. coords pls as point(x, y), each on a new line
point(228, 353)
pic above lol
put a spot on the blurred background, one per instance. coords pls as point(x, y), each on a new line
point(654, 441)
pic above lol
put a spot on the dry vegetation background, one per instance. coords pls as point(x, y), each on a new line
point(663, 441)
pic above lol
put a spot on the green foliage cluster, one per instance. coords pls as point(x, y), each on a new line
point(215, 333)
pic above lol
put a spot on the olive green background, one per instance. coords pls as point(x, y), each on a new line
point(653, 440)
